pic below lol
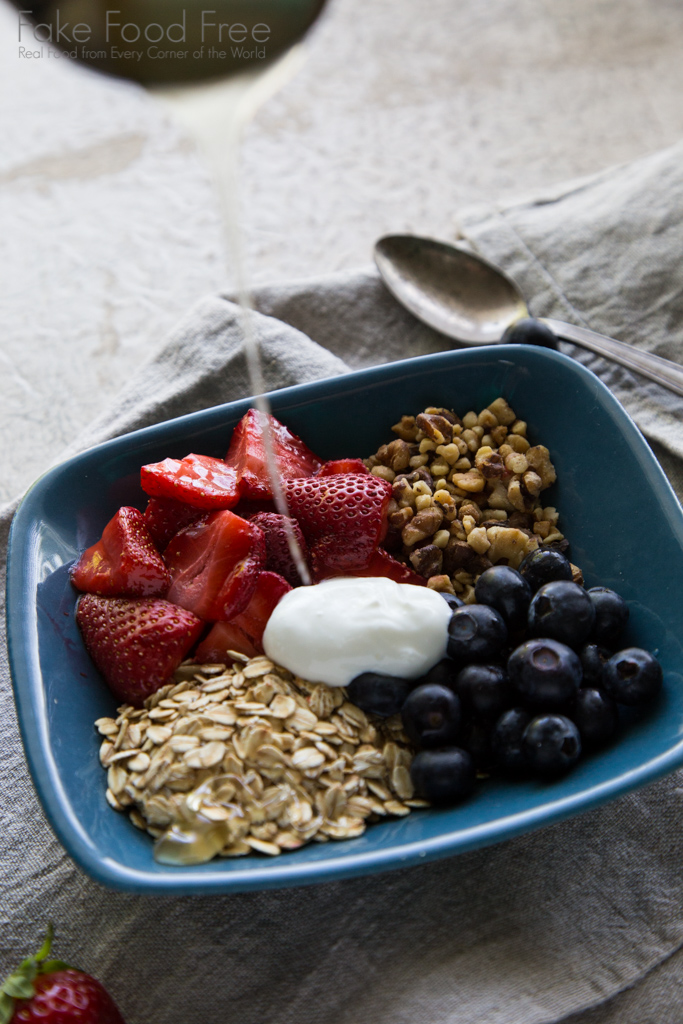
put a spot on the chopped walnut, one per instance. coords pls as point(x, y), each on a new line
point(402, 516)
point(472, 480)
point(538, 458)
point(468, 508)
point(509, 544)
point(502, 411)
point(427, 560)
point(423, 525)
point(406, 429)
point(459, 555)
point(466, 494)
point(490, 464)
point(436, 427)
point(577, 575)
point(532, 482)
point(478, 539)
point(442, 584)
point(396, 455)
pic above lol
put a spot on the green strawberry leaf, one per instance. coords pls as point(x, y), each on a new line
point(19, 985)
point(50, 966)
point(6, 1008)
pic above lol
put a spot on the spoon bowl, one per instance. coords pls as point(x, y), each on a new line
point(462, 295)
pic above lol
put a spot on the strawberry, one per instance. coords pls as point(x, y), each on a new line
point(164, 517)
point(222, 638)
point(124, 562)
point(248, 456)
point(343, 518)
point(45, 991)
point(136, 644)
point(244, 633)
point(342, 466)
point(247, 509)
point(382, 564)
point(214, 564)
point(278, 556)
point(196, 480)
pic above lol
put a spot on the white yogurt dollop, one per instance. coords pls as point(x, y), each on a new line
point(333, 631)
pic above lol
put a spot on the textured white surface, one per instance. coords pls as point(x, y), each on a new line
point(407, 111)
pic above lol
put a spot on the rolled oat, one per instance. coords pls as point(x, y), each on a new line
point(228, 761)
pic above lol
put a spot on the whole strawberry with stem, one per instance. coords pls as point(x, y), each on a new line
point(43, 991)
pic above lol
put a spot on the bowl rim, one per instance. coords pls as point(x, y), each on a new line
point(22, 635)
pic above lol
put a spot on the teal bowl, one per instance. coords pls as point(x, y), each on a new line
point(618, 510)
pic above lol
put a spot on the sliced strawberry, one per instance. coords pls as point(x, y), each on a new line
point(244, 633)
point(196, 480)
point(343, 518)
point(342, 466)
point(222, 638)
point(247, 509)
point(270, 589)
point(278, 556)
point(124, 562)
point(248, 456)
point(136, 644)
point(214, 564)
point(164, 517)
point(382, 564)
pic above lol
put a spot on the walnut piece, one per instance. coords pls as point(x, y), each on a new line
point(436, 427)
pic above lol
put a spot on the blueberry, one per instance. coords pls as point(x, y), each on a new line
point(484, 690)
point(545, 672)
point(445, 673)
point(551, 744)
point(595, 715)
point(593, 658)
point(379, 694)
point(506, 739)
point(431, 715)
point(562, 611)
point(444, 776)
point(503, 588)
point(476, 633)
point(451, 600)
point(528, 331)
point(545, 565)
point(475, 738)
point(633, 676)
point(611, 615)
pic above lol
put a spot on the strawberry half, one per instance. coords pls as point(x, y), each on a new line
point(342, 466)
point(164, 517)
point(248, 456)
point(136, 644)
point(196, 480)
point(45, 991)
point(244, 633)
point(124, 562)
point(214, 564)
point(343, 518)
point(222, 638)
point(278, 556)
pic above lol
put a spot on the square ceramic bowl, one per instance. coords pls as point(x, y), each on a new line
point(618, 510)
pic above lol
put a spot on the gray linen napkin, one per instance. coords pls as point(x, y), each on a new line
point(529, 931)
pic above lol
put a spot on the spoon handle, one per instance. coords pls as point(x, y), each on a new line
point(661, 371)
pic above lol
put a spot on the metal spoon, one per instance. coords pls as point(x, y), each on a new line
point(469, 299)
